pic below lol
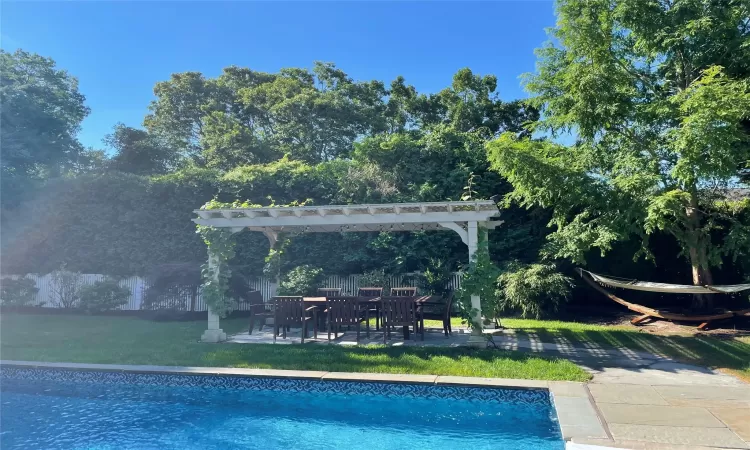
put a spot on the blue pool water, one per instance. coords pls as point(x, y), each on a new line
point(55, 409)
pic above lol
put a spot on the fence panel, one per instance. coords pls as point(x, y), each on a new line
point(136, 285)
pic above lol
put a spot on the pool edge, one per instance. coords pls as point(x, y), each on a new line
point(577, 417)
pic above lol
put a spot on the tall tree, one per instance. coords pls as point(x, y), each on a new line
point(138, 152)
point(40, 113)
point(657, 93)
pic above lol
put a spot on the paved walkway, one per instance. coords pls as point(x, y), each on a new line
point(648, 401)
point(433, 338)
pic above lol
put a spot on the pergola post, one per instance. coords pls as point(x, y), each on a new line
point(476, 304)
point(213, 333)
point(273, 238)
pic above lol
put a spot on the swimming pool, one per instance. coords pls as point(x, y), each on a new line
point(56, 409)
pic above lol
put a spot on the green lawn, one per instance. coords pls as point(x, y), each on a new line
point(725, 353)
point(731, 354)
point(128, 340)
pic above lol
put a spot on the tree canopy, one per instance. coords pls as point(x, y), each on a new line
point(657, 96)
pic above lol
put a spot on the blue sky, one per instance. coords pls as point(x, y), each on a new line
point(119, 50)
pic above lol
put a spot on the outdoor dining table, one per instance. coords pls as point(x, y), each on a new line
point(419, 300)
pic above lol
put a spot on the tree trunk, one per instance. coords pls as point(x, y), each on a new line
point(697, 250)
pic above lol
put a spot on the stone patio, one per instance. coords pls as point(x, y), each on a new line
point(433, 338)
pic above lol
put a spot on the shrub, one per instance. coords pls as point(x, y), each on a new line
point(435, 278)
point(64, 287)
point(19, 292)
point(375, 278)
point(532, 289)
point(302, 280)
point(103, 295)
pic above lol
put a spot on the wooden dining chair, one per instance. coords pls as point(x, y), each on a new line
point(434, 310)
point(370, 292)
point(403, 292)
point(292, 311)
point(329, 292)
point(373, 308)
point(399, 312)
point(346, 312)
point(259, 311)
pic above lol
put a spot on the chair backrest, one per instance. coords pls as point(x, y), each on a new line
point(289, 309)
point(343, 310)
point(329, 292)
point(370, 292)
point(399, 310)
point(403, 292)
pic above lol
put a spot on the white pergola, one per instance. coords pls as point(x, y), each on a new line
point(466, 218)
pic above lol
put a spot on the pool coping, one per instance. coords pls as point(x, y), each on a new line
point(578, 417)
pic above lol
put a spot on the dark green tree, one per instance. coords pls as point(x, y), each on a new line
point(658, 95)
point(40, 114)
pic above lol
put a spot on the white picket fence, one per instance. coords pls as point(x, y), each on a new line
point(136, 285)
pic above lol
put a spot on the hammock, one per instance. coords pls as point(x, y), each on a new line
point(664, 287)
point(650, 313)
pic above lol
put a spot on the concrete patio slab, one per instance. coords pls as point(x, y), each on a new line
point(493, 382)
point(626, 394)
point(737, 393)
point(578, 418)
point(690, 436)
point(592, 444)
point(665, 374)
point(380, 377)
point(433, 338)
point(737, 419)
point(677, 416)
point(568, 389)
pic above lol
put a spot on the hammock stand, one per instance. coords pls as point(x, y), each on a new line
point(647, 313)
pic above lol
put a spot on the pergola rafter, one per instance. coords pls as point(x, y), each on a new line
point(466, 218)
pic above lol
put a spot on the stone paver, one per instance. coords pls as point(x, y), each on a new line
point(665, 374)
point(433, 338)
point(494, 382)
point(603, 444)
point(568, 389)
point(676, 416)
point(578, 418)
point(737, 393)
point(711, 437)
point(626, 393)
point(737, 419)
point(384, 377)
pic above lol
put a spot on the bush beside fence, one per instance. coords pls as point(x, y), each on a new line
point(137, 286)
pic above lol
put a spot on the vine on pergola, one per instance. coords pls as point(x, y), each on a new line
point(221, 249)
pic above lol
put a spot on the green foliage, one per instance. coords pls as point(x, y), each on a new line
point(103, 295)
point(40, 112)
point(216, 273)
point(375, 278)
point(479, 279)
point(113, 223)
point(138, 152)
point(64, 287)
point(18, 292)
point(302, 280)
point(435, 278)
point(658, 96)
point(532, 289)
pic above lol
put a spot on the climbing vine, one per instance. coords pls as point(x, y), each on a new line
point(221, 249)
point(479, 279)
point(220, 243)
